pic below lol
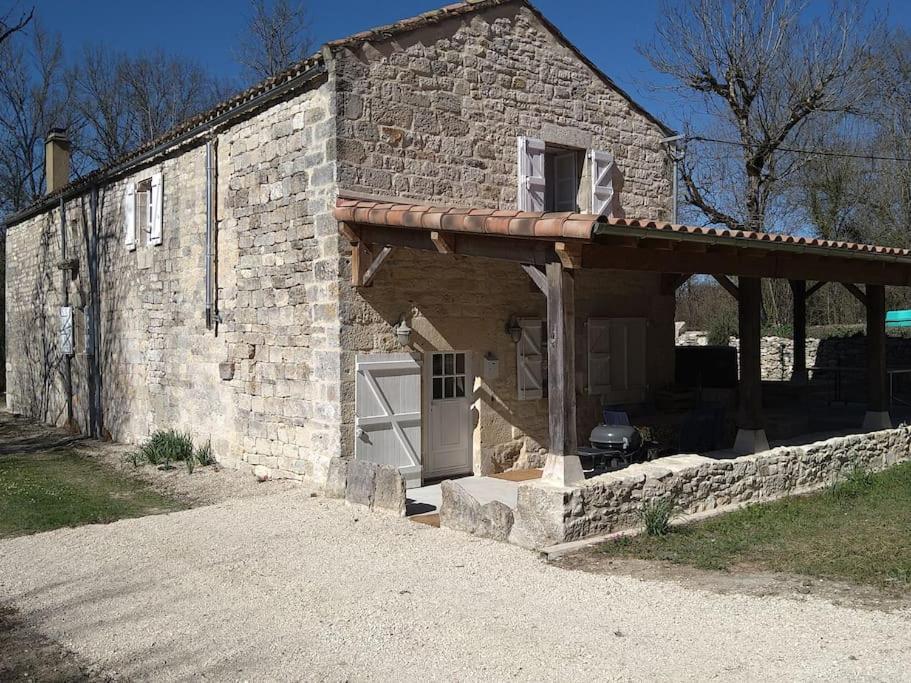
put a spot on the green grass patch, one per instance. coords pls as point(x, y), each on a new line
point(858, 530)
point(58, 488)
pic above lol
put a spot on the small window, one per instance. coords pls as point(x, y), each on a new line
point(143, 219)
point(448, 379)
point(561, 172)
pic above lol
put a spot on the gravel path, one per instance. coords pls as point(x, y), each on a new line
point(286, 587)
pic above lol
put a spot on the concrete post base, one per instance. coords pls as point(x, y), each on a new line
point(750, 441)
point(562, 470)
point(876, 420)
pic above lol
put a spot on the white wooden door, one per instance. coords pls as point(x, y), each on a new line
point(388, 412)
point(449, 439)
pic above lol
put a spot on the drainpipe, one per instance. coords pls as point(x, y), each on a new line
point(65, 291)
point(676, 159)
point(96, 422)
point(211, 161)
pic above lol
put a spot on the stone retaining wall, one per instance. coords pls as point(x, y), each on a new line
point(777, 353)
point(359, 482)
point(548, 515)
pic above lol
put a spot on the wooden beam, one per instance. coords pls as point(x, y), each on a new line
point(877, 393)
point(729, 286)
point(799, 298)
point(375, 265)
point(749, 407)
point(537, 276)
point(811, 290)
point(561, 368)
point(671, 282)
point(346, 231)
point(856, 291)
point(360, 261)
point(569, 253)
point(444, 243)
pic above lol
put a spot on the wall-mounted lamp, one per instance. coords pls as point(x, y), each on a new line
point(402, 332)
point(513, 329)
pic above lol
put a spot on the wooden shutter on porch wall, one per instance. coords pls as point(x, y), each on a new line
point(530, 359)
point(530, 195)
point(602, 169)
point(616, 358)
point(157, 210)
point(129, 216)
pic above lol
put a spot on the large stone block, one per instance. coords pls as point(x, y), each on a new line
point(389, 494)
point(337, 479)
point(361, 482)
point(461, 511)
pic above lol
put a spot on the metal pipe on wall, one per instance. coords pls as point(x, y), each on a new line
point(211, 174)
point(65, 301)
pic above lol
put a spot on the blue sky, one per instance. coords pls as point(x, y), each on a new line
point(205, 30)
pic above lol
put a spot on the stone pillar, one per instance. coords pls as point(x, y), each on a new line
point(751, 437)
point(799, 369)
point(877, 416)
point(563, 467)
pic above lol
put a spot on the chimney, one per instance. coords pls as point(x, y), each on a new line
point(56, 159)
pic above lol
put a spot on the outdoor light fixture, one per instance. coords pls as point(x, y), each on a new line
point(402, 332)
point(513, 329)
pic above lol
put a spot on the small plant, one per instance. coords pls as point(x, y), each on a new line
point(204, 454)
point(163, 447)
point(656, 516)
point(191, 464)
point(722, 327)
point(858, 482)
point(135, 458)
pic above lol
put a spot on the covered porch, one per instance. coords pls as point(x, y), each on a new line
point(553, 249)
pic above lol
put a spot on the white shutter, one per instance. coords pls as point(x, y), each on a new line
point(530, 360)
point(617, 358)
point(599, 355)
point(129, 216)
point(602, 168)
point(530, 195)
point(387, 406)
point(66, 330)
point(157, 207)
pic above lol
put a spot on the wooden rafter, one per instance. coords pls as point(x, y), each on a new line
point(444, 243)
point(815, 288)
point(856, 292)
point(569, 254)
point(729, 286)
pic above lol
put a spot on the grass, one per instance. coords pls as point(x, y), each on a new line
point(57, 488)
point(167, 446)
point(858, 530)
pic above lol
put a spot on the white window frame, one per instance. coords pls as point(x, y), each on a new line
point(143, 215)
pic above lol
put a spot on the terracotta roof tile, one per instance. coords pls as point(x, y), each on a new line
point(566, 226)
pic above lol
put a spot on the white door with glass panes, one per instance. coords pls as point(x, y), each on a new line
point(449, 382)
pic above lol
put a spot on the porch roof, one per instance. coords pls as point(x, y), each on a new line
point(619, 243)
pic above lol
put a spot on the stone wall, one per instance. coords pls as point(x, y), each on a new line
point(611, 502)
point(277, 275)
point(434, 116)
point(777, 353)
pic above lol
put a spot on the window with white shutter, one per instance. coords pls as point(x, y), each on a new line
point(562, 174)
point(530, 354)
point(156, 207)
point(602, 170)
point(129, 216)
point(530, 196)
point(616, 358)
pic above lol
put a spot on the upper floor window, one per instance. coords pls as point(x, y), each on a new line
point(550, 178)
point(142, 212)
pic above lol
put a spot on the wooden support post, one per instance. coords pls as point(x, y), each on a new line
point(877, 416)
point(815, 288)
point(444, 243)
point(799, 295)
point(856, 292)
point(537, 276)
point(751, 437)
point(563, 467)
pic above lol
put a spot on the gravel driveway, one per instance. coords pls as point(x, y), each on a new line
point(287, 587)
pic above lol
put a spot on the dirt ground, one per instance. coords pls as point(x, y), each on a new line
point(741, 580)
point(206, 486)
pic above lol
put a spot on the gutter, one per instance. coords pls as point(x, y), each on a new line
point(78, 187)
point(731, 241)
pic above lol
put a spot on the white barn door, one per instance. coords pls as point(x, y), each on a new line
point(388, 412)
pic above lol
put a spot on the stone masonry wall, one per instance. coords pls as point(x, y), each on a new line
point(777, 353)
point(434, 116)
point(611, 502)
point(277, 274)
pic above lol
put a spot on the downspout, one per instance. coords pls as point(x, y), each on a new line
point(211, 171)
point(65, 292)
point(94, 336)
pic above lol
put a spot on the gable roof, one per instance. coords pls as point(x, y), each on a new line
point(292, 78)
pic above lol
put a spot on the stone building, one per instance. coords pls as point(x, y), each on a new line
point(252, 277)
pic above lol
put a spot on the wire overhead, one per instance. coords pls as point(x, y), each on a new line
point(811, 152)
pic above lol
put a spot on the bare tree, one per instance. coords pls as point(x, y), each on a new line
point(277, 37)
point(9, 26)
point(126, 101)
point(759, 73)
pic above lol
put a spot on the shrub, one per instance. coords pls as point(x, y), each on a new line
point(163, 447)
point(656, 516)
point(204, 454)
point(721, 329)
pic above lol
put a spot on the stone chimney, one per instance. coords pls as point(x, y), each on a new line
point(56, 159)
